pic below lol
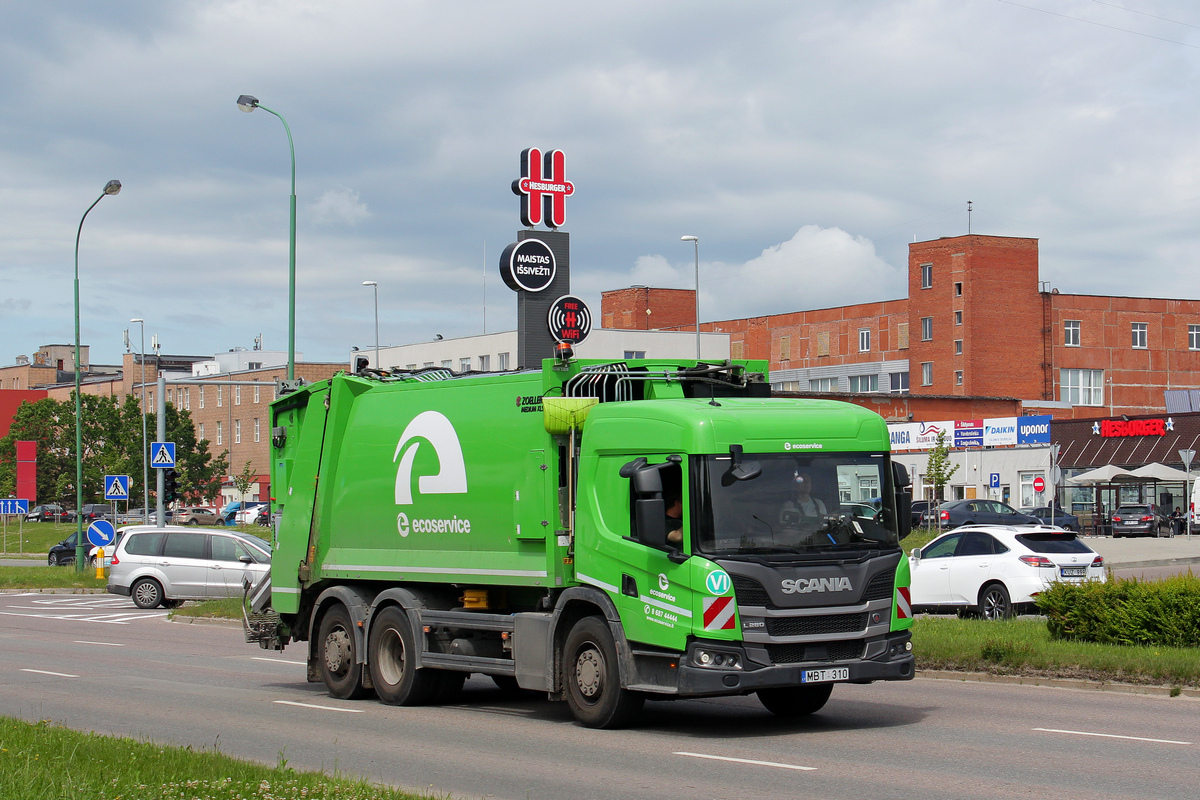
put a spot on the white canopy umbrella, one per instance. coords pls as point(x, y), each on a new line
point(1160, 473)
point(1106, 474)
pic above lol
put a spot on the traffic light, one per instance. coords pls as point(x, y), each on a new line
point(170, 485)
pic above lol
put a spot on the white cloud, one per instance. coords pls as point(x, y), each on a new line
point(339, 207)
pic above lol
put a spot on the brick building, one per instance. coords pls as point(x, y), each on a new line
point(978, 335)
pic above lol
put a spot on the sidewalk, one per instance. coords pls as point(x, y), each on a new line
point(1146, 552)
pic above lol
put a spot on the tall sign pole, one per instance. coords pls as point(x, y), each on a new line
point(1187, 456)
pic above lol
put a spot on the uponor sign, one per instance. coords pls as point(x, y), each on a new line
point(965, 433)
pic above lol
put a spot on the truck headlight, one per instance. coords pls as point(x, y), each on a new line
point(717, 659)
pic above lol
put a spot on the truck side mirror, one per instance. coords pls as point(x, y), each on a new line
point(651, 517)
point(902, 483)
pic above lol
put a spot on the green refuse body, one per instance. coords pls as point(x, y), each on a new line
point(517, 524)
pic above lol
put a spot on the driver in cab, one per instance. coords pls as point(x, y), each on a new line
point(803, 510)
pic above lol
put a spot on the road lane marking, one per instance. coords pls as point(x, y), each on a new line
point(279, 661)
point(744, 761)
point(47, 672)
point(323, 708)
point(1111, 736)
point(105, 644)
point(86, 617)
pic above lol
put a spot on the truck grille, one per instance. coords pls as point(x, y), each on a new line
point(816, 626)
point(880, 587)
point(750, 592)
point(824, 651)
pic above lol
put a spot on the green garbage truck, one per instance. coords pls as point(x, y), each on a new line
point(605, 532)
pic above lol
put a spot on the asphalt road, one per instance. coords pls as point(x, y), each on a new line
point(96, 662)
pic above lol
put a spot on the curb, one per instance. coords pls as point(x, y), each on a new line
point(58, 590)
point(1162, 562)
point(216, 621)
point(1057, 683)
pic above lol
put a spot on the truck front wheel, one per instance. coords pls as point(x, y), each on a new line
point(390, 651)
point(795, 701)
point(337, 652)
point(593, 680)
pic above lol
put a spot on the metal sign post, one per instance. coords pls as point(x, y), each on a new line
point(1187, 456)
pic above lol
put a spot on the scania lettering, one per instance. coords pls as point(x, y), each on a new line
point(429, 528)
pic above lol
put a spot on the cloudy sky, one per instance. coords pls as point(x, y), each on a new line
point(805, 143)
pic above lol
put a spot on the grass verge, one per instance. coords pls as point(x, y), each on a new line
point(49, 578)
point(225, 608)
point(41, 760)
point(1024, 647)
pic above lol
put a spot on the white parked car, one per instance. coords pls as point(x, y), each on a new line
point(990, 570)
point(165, 566)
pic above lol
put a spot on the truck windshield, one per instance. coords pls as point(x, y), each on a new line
point(799, 504)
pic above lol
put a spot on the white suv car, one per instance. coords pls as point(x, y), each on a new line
point(991, 569)
point(165, 566)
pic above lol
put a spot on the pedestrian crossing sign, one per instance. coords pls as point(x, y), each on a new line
point(116, 487)
point(162, 455)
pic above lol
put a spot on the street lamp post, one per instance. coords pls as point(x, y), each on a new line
point(375, 286)
point(112, 187)
point(695, 240)
point(247, 103)
point(1186, 456)
point(145, 459)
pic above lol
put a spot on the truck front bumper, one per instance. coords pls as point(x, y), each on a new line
point(896, 663)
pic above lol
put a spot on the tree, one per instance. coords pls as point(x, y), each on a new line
point(242, 481)
point(940, 470)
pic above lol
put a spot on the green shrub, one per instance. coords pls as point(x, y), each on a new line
point(1006, 652)
point(1126, 611)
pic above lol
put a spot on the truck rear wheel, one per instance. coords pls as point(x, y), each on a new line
point(337, 653)
point(390, 650)
point(593, 680)
point(795, 701)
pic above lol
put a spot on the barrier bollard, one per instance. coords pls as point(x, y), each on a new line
point(100, 563)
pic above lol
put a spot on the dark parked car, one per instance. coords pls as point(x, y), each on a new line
point(1061, 518)
point(919, 507)
point(1140, 520)
point(977, 512)
point(50, 512)
point(94, 511)
point(64, 551)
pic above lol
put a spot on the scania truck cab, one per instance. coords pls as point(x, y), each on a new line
point(520, 525)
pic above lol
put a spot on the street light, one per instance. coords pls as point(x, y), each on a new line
point(1186, 456)
point(695, 240)
point(112, 187)
point(145, 460)
point(375, 285)
point(247, 103)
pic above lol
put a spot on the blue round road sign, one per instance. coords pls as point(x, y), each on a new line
point(101, 533)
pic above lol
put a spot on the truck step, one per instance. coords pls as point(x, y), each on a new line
point(464, 663)
point(467, 620)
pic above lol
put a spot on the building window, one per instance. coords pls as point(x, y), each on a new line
point(187, 398)
point(485, 363)
point(272, 400)
point(1071, 332)
point(504, 362)
point(200, 432)
point(220, 395)
point(448, 363)
point(237, 395)
point(256, 400)
point(254, 365)
point(410, 366)
point(631, 354)
point(927, 373)
point(427, 364)
point(1082, 387)
point(958, 318)
point(864, 340)
point(926, 329)
point(958, 289)
point(171, 395)
point(864, 383)
point(823, 384)
point(1138, 330)
point(257, 430)
point(958, 377)
point(220, 434)
point(464, 364)
point(958, 347)
point(201, 397)
point(1193, 337)
point(785, 348)
point(927, 276)
point(151, 398)
point(898, 382)
point(237, 431)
